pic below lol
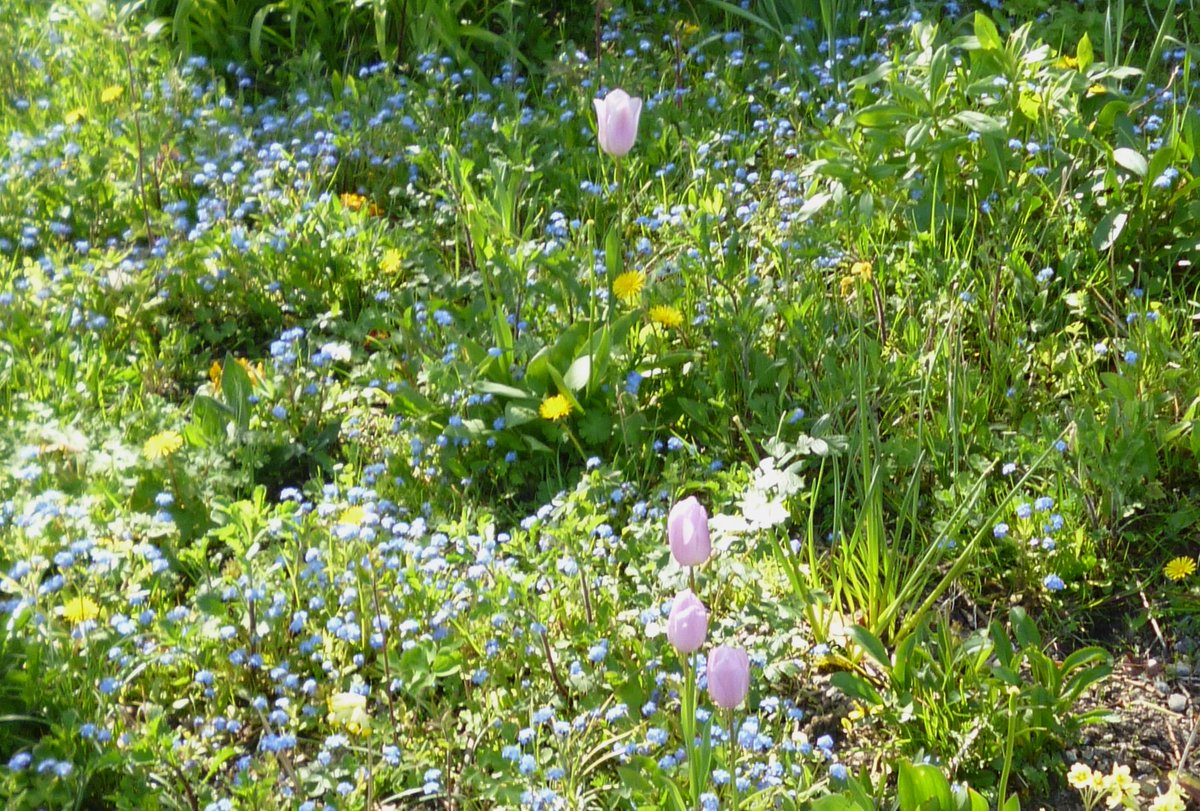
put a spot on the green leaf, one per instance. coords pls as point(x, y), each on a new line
point(236, 390)
point(980, 122)
point(1109, 229)
point(986, 33)
point(1013, 804)
point(564, 389)
point(1130, 159)
point(857, 687)
point(923, 788)
point(613, 260)
point(1083, 53)
point(835, 802)
point(502, 390)
point(577, 376)
point(872, 646)
point(1024, 629)
point(595, 428)
point(883, 114)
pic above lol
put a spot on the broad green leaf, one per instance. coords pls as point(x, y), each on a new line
point(236, 390)
point(1130, 159)
point(980, 122)
point(872, 646)
point(1083, 53)
point(923, 788)
point(835, 802)
point(502, 390)
point(1109, 229)
point(1024, 629)
point(986, 33)
point(856, 687)
point(614, 261)
point(578, 375)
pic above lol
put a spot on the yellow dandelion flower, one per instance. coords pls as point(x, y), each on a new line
point(80, 609)
point(627, 286)
point(111, 93)
point(352, 201)
point(162, 445)
point(555, 408)
point(1180, 568)
point(1068, 62)
point(75, 115)
point(862, 270)
point(1080, 775)
point(666, 315)
point(1096, 90)
point(390, 263)
point(350, 711)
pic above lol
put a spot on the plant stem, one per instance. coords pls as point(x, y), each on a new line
point(733, 761)
point(687, 723)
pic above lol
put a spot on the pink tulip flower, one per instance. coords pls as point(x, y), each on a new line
point(687, 532)
point(617, 117)
point(687, 626)
point(728, 676)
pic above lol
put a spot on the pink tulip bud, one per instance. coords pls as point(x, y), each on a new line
point(617, 122)
point(687, 627)
point(728, 676)
point(687, 532)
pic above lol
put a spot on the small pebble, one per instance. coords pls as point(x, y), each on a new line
point(1180, 670)
point(1177, 702)
point(1162, 687)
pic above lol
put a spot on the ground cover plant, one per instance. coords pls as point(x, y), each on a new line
point(765, 405)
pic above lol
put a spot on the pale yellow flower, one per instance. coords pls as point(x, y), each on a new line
point(1080, 775)
point(350, 711)
point(77, 114)
point(1171, 801)
point(111, 93)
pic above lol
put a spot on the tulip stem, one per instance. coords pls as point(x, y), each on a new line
point(687, 722)
point(733, 761)
point(692, 579)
